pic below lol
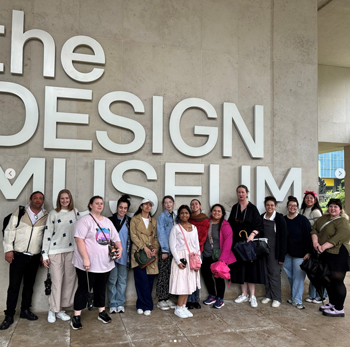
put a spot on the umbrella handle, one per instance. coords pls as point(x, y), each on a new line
point(243, 231)
point(87, 278)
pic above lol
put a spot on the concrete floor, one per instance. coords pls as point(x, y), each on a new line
point(233, 325)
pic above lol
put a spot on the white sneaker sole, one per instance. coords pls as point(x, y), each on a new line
point(103, 321)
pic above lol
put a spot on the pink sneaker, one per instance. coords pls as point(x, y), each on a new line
point(334, 313)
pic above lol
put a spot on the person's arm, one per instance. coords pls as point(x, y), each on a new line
point(173, 243)
point(162, 235)
point(155, 244)
point(116, 240)
point(341, 235)
point(134, 235)
point(10, 236)
point(282, 230)
point(226, 233)
point(257, 223)
point(83, 252)
point(49, 230)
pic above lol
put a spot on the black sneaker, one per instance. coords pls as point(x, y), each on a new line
point(6, 323)
point(75, 323)
point(103, 317)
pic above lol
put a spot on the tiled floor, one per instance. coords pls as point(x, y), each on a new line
point(233, 325)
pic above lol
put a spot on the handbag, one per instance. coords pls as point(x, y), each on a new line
point(195, 258)
point(215, 252)
point(261, 246)
point(141, 257)
point(111, 248)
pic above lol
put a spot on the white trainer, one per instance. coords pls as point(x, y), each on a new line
point(63, 315)
point(120, 309)
point(180, 312)
point(275, 303)
point(188, 312)
point(139, 311)
point(51, 317)
point(253, 302)
point(170, 303)
point(242, 298)
point(112, 310)
point(163, 305)
point(147, 312)
point(265, 300)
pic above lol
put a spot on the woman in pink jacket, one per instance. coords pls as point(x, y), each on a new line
point(217, 246)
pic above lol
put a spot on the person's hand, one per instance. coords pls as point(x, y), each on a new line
point(119, 253)
point(182, 266)
point(316, 245)
point(251, 237)
point(148, 252)
point(320, 249)
point(9, 257)
point(307, 256)
point(280, 262)
point(86, 264)
point(165, 255)
point(46, 263)
point(154, 252)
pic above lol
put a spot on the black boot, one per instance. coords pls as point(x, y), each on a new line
point(6, 323)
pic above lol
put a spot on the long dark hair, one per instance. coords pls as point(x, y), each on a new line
point(223, 214)
point(182, 207)
point(139, 210)
point(316, 204)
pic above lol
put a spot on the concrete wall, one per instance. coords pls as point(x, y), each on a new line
point(240, 51)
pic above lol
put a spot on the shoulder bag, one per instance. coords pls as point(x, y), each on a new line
point(195, 258)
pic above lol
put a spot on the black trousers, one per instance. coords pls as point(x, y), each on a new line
point(97, 282)
point(22, 267)
point(210, 281)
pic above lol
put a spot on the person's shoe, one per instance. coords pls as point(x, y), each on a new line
point(317, 300)
point(51, 317)
point(242, 298)
point(147, 312)
point(290, 301)
point(6, 323)
point(265, 300)
point(170, 303)
point(253, 302)
point(112, 310)
point(139, 311)
point(63, 315)
point(219, 303)
point(120, 309)
point(326, 307)
point(190, 305)
point(163, 305)
point(309, 299)
point(197, 305)
point(28, 314)
point(180, 312)
point(103, 317)
point(332, 312)
point(76, 323)
point(210, 300)
point(275, 303)
point(189, 314)
point(298, 305)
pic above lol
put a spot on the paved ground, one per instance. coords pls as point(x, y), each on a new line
point(233, 325)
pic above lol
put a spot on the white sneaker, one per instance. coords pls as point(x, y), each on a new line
point(139, 311)
point(253, 302)
point(112, 310)
point(275, 303)
point(170, 303)
point(120, 309)
point(163, 305)
point(147, 312)
point(180, 312)
point(51, 317)
point(265, 300)
point(63, 315)
point(242, 298)
point(187, 311)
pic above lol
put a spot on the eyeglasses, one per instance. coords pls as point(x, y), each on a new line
point(296, 206)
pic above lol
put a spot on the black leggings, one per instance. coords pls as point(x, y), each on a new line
point(336, 289)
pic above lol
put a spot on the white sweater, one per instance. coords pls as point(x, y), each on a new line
point(312, 216)
point(59, 233)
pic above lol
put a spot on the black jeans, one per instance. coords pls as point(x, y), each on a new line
point(22, 267)
point(210, 281)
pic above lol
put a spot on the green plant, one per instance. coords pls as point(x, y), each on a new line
point(340, 194)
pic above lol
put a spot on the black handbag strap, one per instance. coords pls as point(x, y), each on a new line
point(99, 227)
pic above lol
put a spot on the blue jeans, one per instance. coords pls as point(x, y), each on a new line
point(116, 285)
point(314, 294)
point(296, 277)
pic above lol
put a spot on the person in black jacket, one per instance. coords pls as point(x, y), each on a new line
point(275, 230)
point(298, 249)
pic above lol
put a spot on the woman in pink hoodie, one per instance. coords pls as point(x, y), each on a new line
point(217, 246)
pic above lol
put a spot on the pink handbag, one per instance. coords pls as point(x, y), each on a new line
point(195, 258)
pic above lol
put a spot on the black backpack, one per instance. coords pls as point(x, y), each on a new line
point(21, 212)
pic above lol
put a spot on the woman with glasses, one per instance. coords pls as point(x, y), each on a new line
point(298, 249)
point(245, 216)
point(330, 237)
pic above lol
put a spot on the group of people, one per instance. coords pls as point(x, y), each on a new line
point(91, 254)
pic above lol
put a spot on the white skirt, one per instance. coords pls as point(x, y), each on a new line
point(183, 281)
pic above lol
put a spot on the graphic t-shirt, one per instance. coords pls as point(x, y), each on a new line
point(95, 242)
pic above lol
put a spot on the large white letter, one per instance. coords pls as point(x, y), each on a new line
point(214, 184)
point(174, 127)
point(122, 122)
point(171, 169)
point(256, 149)
point(31, 114)
point(19, 38)
point(157, 125)
point(68, 56)
point(59, 178)
point(264, 177)
point(35, 167)
point(52, 117)
point(132, 189)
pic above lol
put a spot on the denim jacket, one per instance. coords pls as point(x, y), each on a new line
point(164, 224)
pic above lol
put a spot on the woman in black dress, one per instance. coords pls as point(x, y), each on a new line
point(245, 216)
